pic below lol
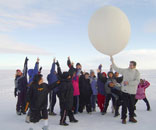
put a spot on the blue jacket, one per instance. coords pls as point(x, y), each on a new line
point(101, 84)
point(52, 77)
point(93, 82)
point(33, 72)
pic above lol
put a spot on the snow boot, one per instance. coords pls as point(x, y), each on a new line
point(133, 120)
point(18, 113)
point(124, 121)
point(64, 124)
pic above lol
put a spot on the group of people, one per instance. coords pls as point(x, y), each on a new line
point(77, 90)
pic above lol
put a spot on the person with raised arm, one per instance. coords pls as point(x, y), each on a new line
point(131, 79)
point(51, 78)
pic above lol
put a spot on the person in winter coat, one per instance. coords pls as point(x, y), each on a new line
point(102, 79)
point(51, 78)
point(93, 82)
point(76, 93)
point(38, 100)
point(85, 93)
point(20, 89)
point(75, 74)
point(116, 91)
point(131, 79)
point(140, 95)
point(65, 95)
point(109, 95)
point(31, 73)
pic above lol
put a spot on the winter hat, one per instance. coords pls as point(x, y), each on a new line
point(37, 78)
point(91, 71)
point(110, 72)
point(65, 75)
point(104, 74)
point(78, 64)
point(18, 70)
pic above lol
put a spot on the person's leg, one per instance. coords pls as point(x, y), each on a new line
point(53, 102)
point(113, 103)
point(147, 104)
point(117, 105)
point(94, 102)
point(108, 97)
point(100, 104)
point(77, 105)
point(131, 104)
point(71, 117)
point(63, 117)
point(19, 104)
point(124, 106)
point(23, 102)
point(136, 100)
point(88, 105)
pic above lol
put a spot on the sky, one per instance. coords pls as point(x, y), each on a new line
point(59, 28)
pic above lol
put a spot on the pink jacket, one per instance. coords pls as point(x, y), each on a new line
point(141, 90)
point(75, 82)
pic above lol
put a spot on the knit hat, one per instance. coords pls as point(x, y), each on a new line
point(104, 74)
point(78, 64)
point(65, 75)
point(37, 78)
point(18, 70)
point(91, 71)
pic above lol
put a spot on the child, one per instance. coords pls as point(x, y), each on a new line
point(93, 82)
point(75, 73)
point(102, 79)
point(85, 93)
point(109, 95)
point(65, 96)
point(38, 100)
point(21, 88)
point(140, 95)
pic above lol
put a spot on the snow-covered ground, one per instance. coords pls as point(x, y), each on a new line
point(10, 121)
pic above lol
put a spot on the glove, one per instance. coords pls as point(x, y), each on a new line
point(15, 92)
point(57, 63)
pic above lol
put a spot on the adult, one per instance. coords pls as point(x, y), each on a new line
point(131, 78)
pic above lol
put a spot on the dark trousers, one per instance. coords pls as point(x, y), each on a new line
point(146, 101)
point(65, 113)
point(21, 101)
point(128, 103)
point(93, 101)
point(85, 102)
point(108, 98)
point(76, 104)
point(52, 99)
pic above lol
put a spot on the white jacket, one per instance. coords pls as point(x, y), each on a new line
point(130, 75)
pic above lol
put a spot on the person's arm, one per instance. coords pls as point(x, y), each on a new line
point(53, 67)
point(59, 69)
point(119, 70)
point(69, 62)
point(136, 81)
point(25, 69)
point(147, 84)
point(102, 79)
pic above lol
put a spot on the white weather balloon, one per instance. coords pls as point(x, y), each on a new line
point(109, 30)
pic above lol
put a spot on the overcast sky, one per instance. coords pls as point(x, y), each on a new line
point(59, 28)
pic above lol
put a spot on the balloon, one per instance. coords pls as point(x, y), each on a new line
point(109, 30)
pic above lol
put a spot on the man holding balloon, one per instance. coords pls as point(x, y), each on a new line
point(131, 78)
point(109, 32)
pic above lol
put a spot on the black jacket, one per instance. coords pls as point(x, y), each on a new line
point(37, 95)
point(85, 87)
point(21, 83)
point(119, 79)
point(66, 94)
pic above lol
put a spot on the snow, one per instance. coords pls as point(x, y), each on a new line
point(10, 121)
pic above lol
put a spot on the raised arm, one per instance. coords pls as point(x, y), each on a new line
point(25, 69)
point(59, 69)
point(119, 70)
